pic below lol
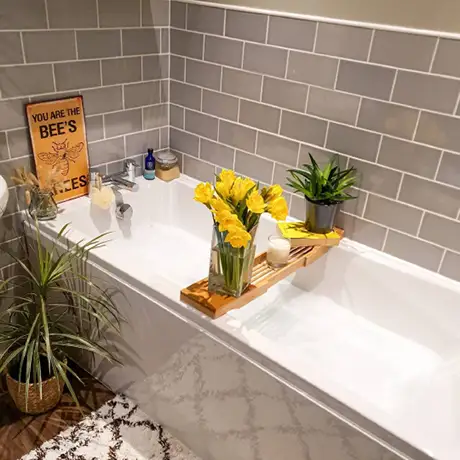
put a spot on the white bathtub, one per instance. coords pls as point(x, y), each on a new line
point(369, 341)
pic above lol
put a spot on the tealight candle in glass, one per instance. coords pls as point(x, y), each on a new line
point(278, 251)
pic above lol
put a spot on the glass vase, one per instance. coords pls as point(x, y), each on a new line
point(230, 269)
point(42, 205)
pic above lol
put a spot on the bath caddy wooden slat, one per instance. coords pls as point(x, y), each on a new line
point(263, 277)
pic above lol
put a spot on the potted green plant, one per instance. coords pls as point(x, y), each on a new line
point(51, 310)
point(324, 189)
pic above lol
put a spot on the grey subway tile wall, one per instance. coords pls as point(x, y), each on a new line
point(384, 102)
point(253, 92)
point(113, 52)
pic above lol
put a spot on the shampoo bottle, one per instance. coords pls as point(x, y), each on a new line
point(149, 168)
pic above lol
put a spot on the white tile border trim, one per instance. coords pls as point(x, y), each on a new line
point(346, 22)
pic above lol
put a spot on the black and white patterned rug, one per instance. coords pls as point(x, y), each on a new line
point(119, 430)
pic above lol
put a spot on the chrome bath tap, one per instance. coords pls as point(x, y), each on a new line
point(122, 180)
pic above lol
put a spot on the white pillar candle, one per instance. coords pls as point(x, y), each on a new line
point(278, 251)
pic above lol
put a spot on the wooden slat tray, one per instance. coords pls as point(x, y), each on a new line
point(263, 277)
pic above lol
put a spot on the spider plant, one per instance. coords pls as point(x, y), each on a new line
point(324, 186)
point(53, 309)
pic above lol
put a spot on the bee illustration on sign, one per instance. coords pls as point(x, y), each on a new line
point(62, 155)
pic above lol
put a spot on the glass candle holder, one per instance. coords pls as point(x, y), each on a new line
point(278, 251)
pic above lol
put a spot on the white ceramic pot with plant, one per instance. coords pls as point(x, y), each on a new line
point(324, 189)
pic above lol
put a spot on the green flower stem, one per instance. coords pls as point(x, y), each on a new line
point(233, 264)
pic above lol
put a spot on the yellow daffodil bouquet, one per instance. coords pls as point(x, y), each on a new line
point(236, 204)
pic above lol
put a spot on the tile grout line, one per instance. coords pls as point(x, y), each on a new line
point(201, 100)
point(273, 174)
point(141, 13)
point(267, 29)
point(256, 144)
point(225, 22)
point(378, 149)
point(385, 239)
point(326, 134)
point(102, 75)
point(359, 110)
point(23, 51)
point(103, 126)
point(457, 105)
point(186, 18)
point(337, 74)
point(371, 44)
point(287, 65)
point(366, 200)
point(400, 186)
point(76, 43)
point(438, 166)
point(393, 86)
point(262, 83)
point(53, 71)
point(315, 38)
point(441, 262)
point(107, 58)
point(8, 148)
point(419, 115)
point(221, 79)
point(242, 54)
point(435, 50)
point(297, 165)
point(419, 228)
point(47, 14)
point(307, 99)
point(97, 15)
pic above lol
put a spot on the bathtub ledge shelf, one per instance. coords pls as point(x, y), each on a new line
point(263, 278)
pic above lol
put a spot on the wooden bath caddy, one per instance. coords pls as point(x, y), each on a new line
point(263, 277)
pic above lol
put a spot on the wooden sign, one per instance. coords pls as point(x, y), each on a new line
point(58, 135)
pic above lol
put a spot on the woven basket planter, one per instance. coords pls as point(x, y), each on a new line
point(52, 390)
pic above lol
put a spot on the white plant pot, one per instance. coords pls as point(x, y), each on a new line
point(4, 195)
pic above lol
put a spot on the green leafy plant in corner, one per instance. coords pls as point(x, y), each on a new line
point(324, 186)
point(52, 309)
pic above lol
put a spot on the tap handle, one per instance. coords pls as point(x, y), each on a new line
point(130, 162)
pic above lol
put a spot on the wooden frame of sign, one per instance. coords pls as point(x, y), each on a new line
point(58, 134)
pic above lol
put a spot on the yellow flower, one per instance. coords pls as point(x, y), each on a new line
point(238, 237)
point(273, 192)
point(227, 175)
point(255, 202)
point(204, 193)
point(240, 188)
point(227, 220)
point(223, 189)
point(278, 208)
point(219, 205)
point(225, 183)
